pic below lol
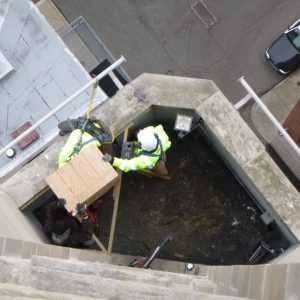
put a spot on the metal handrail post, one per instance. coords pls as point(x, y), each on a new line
point(269, 115)
point(60, 106)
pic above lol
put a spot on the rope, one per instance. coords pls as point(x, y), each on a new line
point(88, 113)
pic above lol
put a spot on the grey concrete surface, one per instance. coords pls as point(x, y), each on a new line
point(104, 281)
point(280, 101)
point(20, 229)
point(45, 277)
point(45, 74)
point(18, 292)
point(232, 133)
point(167, 37)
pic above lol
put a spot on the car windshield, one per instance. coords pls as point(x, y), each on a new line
point(294, 37)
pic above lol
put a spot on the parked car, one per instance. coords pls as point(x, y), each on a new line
point(284, 54)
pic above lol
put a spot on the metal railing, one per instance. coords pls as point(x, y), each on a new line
point(270, 116)
point(63, 104)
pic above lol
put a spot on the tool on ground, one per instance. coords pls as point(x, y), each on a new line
point(146, 262)
point(261, 252)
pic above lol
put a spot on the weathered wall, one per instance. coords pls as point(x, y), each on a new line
point(14, 224)
point(246, 157)
point(135, 100)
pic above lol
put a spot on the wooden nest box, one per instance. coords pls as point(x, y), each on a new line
point(84, 178)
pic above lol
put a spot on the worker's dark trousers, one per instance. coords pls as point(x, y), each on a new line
point(160, 168)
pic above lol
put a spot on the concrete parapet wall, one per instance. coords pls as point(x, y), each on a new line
point(249, 159)
point(280, 101)
point(258, 282)
point(135, 100)
point(14, 224)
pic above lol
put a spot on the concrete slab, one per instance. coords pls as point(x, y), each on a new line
point(167, 91)
point(45, 73)
point(52, 14)
point(276, 187)
point(274, 283)
point(239, 140)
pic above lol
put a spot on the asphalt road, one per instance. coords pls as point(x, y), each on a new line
point(167, 37)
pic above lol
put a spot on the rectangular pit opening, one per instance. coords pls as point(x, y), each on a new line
point(212, 212)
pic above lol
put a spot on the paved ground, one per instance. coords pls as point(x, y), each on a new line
point(167, 37)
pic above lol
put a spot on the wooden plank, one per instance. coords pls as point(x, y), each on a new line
point(104, 170)
point(87, 174)
point(78, 188)
point(103, 190)
point(116, 197)
point(102, 247)
point(94, 237)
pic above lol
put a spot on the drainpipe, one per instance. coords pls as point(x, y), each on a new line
point(60, 106)
point(281, 130)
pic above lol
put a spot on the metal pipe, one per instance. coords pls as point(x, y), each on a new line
point(60, 106)
point(282, 131)
point(243, 101)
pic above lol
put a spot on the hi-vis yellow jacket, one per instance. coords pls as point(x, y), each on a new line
point(77, 141)
point(144, 159)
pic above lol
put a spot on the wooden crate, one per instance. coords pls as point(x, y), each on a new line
point(83, 179)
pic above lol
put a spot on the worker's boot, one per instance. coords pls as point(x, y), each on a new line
point(160, 168)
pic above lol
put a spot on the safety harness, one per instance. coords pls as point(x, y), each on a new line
point(161, 155)
point(90, 128)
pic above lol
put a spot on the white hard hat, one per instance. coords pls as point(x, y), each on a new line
point(147, 139)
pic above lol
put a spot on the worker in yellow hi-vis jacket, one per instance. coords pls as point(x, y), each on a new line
point(84, 132)
point(150, 153)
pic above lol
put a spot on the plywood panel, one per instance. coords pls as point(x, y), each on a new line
point(85, 178)
point(87, 174)
point(102, 168)
point(74, 182)
point(61, 190)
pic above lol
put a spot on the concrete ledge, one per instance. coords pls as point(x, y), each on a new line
point(118, 111)
point(30, 179)
point(276, 188)
point(148, 90)
point(228, 126)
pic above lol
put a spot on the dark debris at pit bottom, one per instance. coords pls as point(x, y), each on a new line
point(210, 216)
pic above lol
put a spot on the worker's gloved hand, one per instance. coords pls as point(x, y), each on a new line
point(81, 210)
point(61, 202)
point(107, 158)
